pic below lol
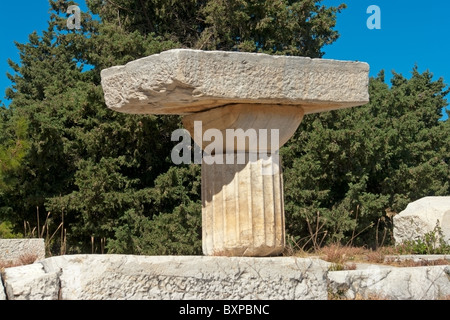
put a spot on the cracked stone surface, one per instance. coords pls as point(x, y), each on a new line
point(413, 283)
point(128, 277)
point(31, 282)
point(12, 250)
point(184, 81)
point(421, 217)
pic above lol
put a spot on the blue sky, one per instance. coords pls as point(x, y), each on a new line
point(17, 20)
point(412, 32)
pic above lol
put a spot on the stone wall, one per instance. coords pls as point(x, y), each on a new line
point(129, 277)
point(381, 282)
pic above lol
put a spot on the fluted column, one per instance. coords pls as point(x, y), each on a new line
point(242, 183)
point(242, 208)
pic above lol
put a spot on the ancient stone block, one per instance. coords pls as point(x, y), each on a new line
point(421, 217)
point(183, 81)
point(31, 282)
point(12, 250)
point(128, 277)
point(374, 282)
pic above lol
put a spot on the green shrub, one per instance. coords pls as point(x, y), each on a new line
point(6, 231)
point(432, 242)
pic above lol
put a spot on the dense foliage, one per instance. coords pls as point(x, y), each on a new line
point(107, 177)
point(348, 172)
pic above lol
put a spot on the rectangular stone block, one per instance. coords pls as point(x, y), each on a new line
point(421, 217)
point(128, 277)
point(31, 282)
point(183, 81)
point(413, 283)
point(12, 250)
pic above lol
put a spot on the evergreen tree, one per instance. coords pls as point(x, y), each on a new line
point(84, 161)
point(348, 172)
point(101, 172)
point(108, 176)
point(270, 26)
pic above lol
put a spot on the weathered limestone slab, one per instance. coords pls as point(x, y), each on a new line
point(413, 283)
point(128, 277)
point(31, 282)
point(202, 278)
point(421, 217)
point(257, 95)
point(11, 250)
point(183, 81)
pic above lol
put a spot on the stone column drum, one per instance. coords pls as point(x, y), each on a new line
point(262, 97)
point(242, 199)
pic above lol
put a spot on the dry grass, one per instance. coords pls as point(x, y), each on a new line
point(372, 296)
point(340, 254)
point(413, 263)
point(346, 257)
point(24, 259)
